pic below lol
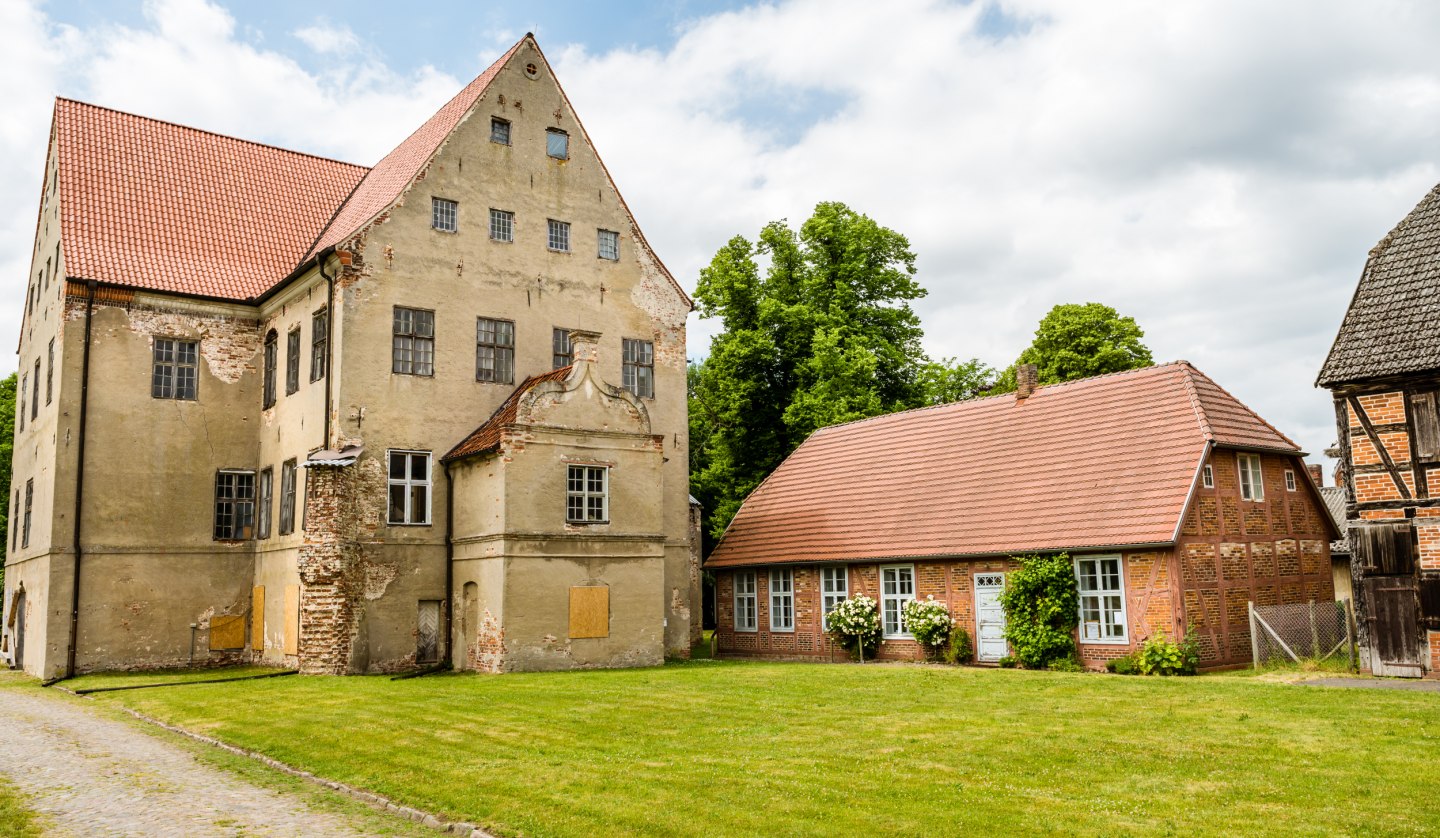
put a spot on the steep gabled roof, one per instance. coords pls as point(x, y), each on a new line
point(486, 438)
point(385, 183)
point(152, 204)
point(1393, 324)
point(1100, 462)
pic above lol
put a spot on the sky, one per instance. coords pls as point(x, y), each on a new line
point(1217, 169)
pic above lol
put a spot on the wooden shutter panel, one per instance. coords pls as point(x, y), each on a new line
point(1427, 427)
point(1383, 549)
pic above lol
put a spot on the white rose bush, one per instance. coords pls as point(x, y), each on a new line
point(855, 625)
point(929, 622)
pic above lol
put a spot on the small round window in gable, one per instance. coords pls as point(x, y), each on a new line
point(532, 71)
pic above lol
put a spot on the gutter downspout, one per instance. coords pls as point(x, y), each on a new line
point(329, 342)
point(449, 568)
point(90, 286)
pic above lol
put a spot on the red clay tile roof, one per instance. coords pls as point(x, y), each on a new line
point(486, 438)
point(151, 204)
point(1101, 462)
point(398, 169)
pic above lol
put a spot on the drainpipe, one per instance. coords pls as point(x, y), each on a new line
point(449, 568)
point(90, 286)
point(329, 342)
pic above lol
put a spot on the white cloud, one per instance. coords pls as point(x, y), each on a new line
point(328, 39)
point(1216, 169)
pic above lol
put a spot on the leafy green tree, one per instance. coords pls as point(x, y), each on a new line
point(1078, 340)
point(7, 446)
point(949, 380)
point(1042, 609)
point(823, 334)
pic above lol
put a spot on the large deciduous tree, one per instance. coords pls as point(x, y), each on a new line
point(7, 445)
point(1078, 340)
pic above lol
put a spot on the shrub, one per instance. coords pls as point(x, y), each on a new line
point(1127, 665)
point(1065, 665)
point(1042, 605)
point(855, 625)
point(959, 649)
point(1160, 656)
point(1007, 662)
point(929, 622)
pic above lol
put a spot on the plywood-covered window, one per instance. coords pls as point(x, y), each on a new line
point(589, 611)
point(1252, 484)
point(747, 617)
point(234, 505)
point(175, 368)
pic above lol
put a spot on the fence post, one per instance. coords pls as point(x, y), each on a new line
point(1254, 638)
point(1314, 633)
point(1350, 634)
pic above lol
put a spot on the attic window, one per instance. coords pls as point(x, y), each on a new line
point(532, 71)
point(444, 215)
point(557, 143)
point(499, 131)
point(1251, 485)
point(1207, 477)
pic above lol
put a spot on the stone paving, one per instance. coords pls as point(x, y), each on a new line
point(1376, 684)
point(89, 775)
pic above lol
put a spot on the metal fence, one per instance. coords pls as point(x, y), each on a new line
point(1312, 630)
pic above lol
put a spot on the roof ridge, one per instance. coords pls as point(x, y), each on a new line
point(1200, 416)
point(209, 132)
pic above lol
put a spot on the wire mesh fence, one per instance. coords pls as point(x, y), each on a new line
point(1318, 631)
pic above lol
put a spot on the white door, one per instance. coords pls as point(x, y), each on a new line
point(989, 617)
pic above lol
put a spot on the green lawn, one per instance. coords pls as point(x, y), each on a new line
point(725, 748)
point(16, 819)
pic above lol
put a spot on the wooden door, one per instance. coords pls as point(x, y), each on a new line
point(1392, 616)
point(990, 642)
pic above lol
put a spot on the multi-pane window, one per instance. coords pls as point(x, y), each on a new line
point(559, 235)
point(1102, 600)
point(747, 616)
point(292, 361)
point(24, 388)
point(637, 367)
point(495, 351)
point(409, 487)
point(176, 369)
point(587, 494)
point(499, 131)
point(1207, 477)
point(834, 588)
point(557, 143)
point(782, 599)
point(264, 498)
point(14, 530)
point(319, 343)
point(272, 350)
point(608, 244)
point(1290, 481)
point(234, 505)
point(443, 215)
point(414, 346)
point(560, 355)
point(50, 373)
point(35, 399)
point(1252, 486)
point(287, 497)
point(897, 587)
point(502, 225)
point(29, 503)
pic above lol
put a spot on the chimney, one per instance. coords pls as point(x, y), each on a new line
point(584, 346)
point(1027, 378)
point(1317, 474)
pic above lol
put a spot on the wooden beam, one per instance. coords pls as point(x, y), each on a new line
point(1379, 447)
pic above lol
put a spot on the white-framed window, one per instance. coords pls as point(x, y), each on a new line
point(1102, 599)
point(834, 588)
point(587, 494)
point(637, 367)
point(897, 587)
point(1207, 477)
point(1252, 485)
point(558, 238)
point(782, 599)
point(234, 505)
point(608, 244)
point(557, 143)
point(499, 130)
point(409, 487)
point(494, 350)
point(444, 215)
point(1289, 480)
point(502, 225)
point(747, 617)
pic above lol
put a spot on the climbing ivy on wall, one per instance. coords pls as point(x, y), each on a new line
point(1041, 602)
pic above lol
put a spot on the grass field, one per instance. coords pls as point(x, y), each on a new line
point(16, 819)
point(724, 748)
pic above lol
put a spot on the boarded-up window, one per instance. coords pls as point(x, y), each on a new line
point(257, 618)
point(1383, 549)
point(427, 632)
point(227, 632)
point(292, 620)
point(589, 611)
point(1427, 427)
point(1430, 602)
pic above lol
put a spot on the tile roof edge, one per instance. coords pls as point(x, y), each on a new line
point(1248, 409)
point(1188, 382)
point(520, 390)
point(1134, 545)
point(207, 131)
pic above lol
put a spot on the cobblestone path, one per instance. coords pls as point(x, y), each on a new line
point(90, 775)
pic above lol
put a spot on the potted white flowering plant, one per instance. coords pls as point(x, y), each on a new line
point(855, 625)
point(930, 624)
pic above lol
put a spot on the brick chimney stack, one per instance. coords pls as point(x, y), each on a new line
point(584, 347)
point(1027, 378)
point(1317, 474)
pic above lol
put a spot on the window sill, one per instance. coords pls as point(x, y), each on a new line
point(1120, 642)
point(897, 637)
point(586, 523)
point(790, 630)
point(446, 232)
point(746, 631)
point(494, 240)
point(558, 252)
point(409, 524)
